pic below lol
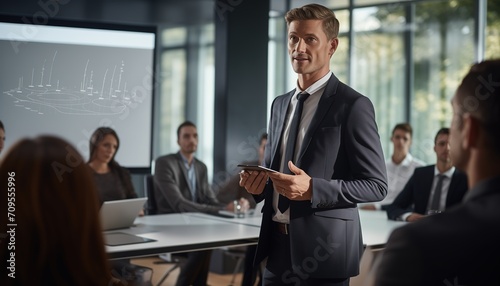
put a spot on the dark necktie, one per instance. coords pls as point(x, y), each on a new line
point(436, 198)
point(283, 201)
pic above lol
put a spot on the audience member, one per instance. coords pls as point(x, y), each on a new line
point(233, 191)
point(181, 185)
point(432, 188)
point(328, 162)
point(2, 136)
point(400, 166)
point(55, 223)
point(113, 181)
point(460, 246)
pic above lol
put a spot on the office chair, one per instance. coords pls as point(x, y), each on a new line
point(237, 253)
point(151, 210)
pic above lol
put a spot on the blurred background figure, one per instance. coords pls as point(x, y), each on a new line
point(113, 181)
point(400, 166)
point(58, 237)
point(431, 189)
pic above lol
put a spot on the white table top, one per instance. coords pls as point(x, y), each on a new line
point(182, 232)
point(376, 227)
point(196, 231)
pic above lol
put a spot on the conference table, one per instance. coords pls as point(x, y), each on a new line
point(183, 232)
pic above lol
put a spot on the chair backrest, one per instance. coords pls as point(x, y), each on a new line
point(149, 185)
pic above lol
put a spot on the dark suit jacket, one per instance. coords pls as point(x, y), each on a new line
point(172, 189)
point(458, 247)
point(415, 195)
point(341, 151)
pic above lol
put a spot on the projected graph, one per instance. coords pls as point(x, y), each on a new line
point(44, 92)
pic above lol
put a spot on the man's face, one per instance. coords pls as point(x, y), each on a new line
point(188, 139)
point(401, 141)
point(309, 49)
point(442, 148)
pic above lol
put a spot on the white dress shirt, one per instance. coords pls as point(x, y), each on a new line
point(308, 111)
point(397, 177)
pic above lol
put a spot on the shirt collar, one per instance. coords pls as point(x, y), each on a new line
point(319, 84)
point(448, 173)
point(407, 160)
point(185, 160)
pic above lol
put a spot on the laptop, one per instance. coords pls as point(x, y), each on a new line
point(121, 213)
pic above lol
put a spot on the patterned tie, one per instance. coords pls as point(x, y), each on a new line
point(436, 198)
point(283, 201)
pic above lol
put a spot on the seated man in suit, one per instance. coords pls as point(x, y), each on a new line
point(431, 189)
point(181, 185)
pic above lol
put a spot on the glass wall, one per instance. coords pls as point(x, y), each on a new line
point(406, 56)
point(187, 51)
point(492, 33)
point(378, 63)
point(443, 51)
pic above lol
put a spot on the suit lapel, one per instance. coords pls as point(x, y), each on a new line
point(324, 106)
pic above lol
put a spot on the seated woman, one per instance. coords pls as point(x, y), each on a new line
point(54, 207)
point(113, 181)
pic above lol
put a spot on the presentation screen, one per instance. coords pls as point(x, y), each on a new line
point(68, 78)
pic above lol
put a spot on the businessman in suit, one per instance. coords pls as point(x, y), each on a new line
point(310, 229)
point(424, 194)
point(460, 246)
point(181, 185)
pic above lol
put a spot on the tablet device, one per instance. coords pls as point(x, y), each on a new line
point(255, 168)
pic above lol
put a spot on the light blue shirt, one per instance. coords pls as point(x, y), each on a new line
point(191, 176)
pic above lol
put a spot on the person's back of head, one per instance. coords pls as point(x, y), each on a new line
point(479, 96)
point(58, 239)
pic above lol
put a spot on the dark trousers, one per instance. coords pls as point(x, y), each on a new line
point(279, 269)
point(194, 271)
point(250, 272)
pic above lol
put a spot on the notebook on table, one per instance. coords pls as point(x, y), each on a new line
point(120, 214)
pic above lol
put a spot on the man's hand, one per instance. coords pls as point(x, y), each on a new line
point(244, 205)
point(414, 217)
point(368, 207)
point(295, 187)
point(253, 181)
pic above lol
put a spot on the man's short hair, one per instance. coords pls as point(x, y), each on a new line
point(406, 127)
point(184, 124)
point(479, 95)
point(1, 126)
point(316, 12)
point(443, 130)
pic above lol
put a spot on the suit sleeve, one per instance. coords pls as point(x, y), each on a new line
point(360, 174)
point(168, 194)
point(403, 202)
